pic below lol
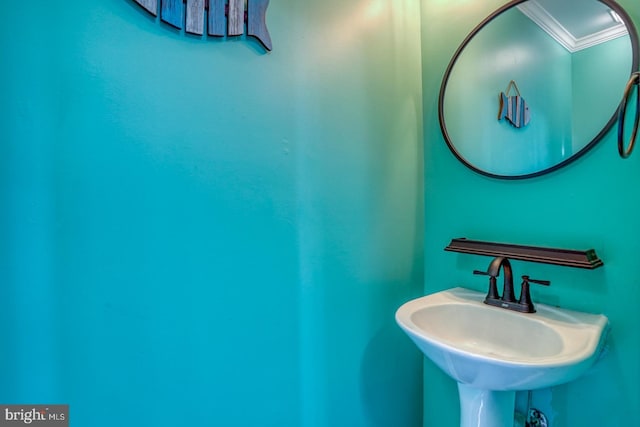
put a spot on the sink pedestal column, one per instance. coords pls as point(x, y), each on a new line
point(486, 408)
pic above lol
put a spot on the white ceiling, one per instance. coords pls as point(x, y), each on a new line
point(575, 24)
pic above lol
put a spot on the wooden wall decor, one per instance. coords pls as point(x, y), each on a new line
point(256, 21)
point(236, 18)
point(172, 12)
point(150, 5)
point(195, 17)
point(218, 18)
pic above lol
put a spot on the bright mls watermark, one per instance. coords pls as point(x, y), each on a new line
point(34, 415)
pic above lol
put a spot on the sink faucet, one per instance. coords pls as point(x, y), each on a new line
point(507, 284)
point(493, 297)
point(508, 299)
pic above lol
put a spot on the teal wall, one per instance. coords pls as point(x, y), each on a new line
point(198, 233)
point(592, 203)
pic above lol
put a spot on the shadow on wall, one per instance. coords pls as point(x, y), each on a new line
point(388, 366)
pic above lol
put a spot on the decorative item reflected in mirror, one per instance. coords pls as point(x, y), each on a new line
point(571, 58)
point(513, 108)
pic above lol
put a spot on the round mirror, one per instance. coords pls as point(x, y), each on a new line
point(536, 85)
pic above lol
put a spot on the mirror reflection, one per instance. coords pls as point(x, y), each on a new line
point(569, 62)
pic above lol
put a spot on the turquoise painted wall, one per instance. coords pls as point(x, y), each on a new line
point(592, 203)
point(198, 233)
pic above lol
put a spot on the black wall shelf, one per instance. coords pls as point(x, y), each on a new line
point(567, 257)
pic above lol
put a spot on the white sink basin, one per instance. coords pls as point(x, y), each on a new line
point(488, 348)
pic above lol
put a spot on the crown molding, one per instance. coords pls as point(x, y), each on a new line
point(538, 14)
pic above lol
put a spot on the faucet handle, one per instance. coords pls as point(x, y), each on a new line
point(525, 295)
point(539, 282)
point(493, 288)
point(480, 273)
point(485, 273)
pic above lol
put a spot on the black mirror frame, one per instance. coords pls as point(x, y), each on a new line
point(633, 35)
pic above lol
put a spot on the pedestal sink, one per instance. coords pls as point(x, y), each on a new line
point(493, 352)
